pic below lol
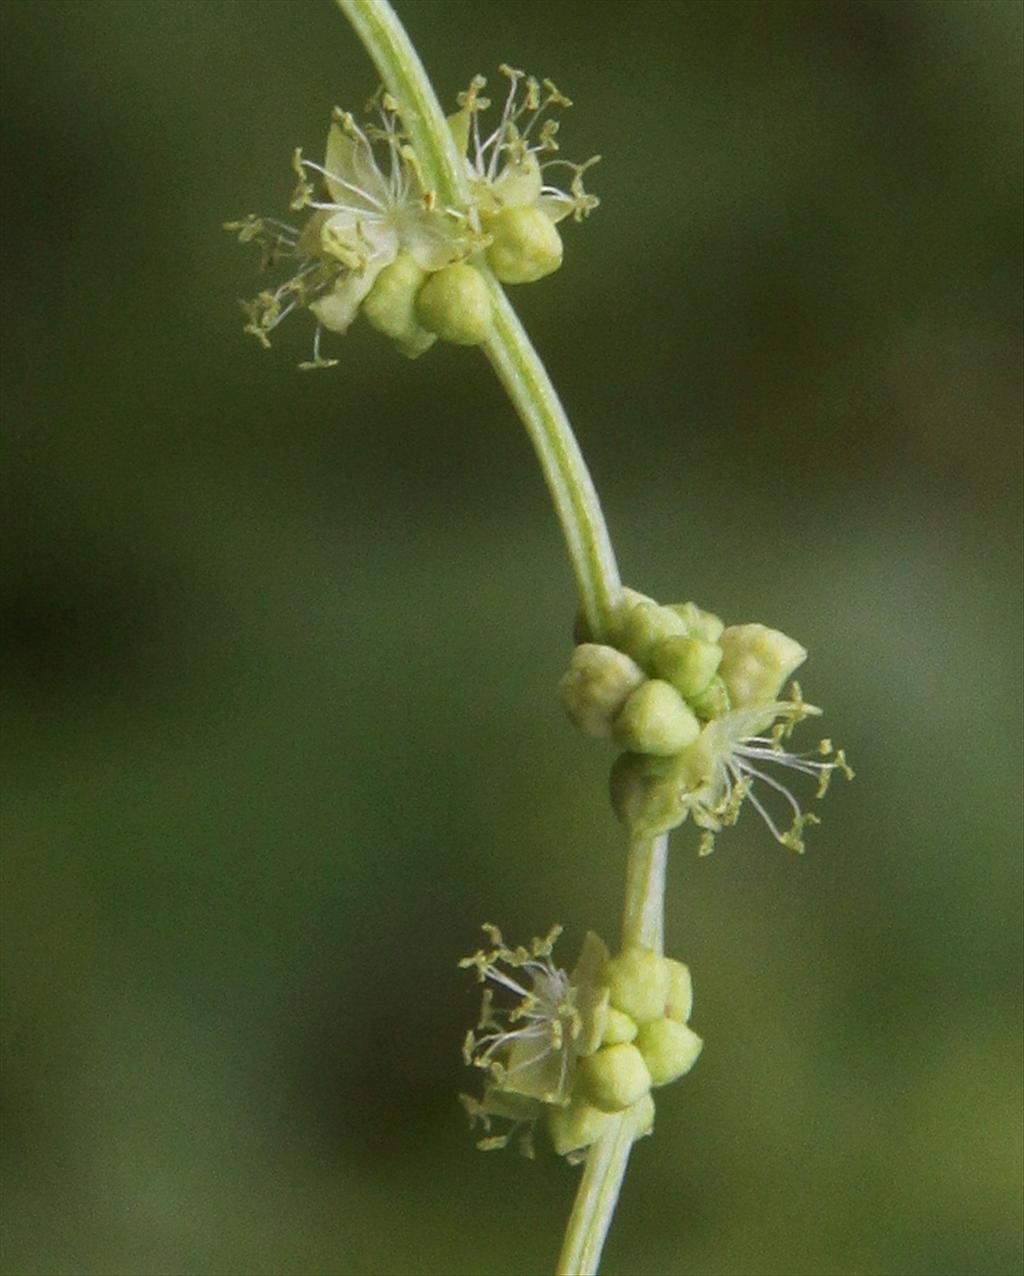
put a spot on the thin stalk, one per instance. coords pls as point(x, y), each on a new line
point(596, 1198)
point(643, 917)
point(403, 75)
point(509, 349)
point(527, 384)
point(529, 387)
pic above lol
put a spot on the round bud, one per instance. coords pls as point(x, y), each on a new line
point(614, 1078)
point(756, 661)
point(713, 701)
point(638, 983)
point(669, 1049)
point(390, 305)
point(643, 626)
point(646, 793)
point(596, 685)
point(688, 663)
point(618, 1028)
point(679, 1003)
point(576, 1126)
point(525, 245)
point(656, 719)
point(699, 623)
point(455, 304)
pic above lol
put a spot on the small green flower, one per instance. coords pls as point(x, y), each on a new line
point(369, 209)
point(531, 1049)
point(702, 722)
point(575, 1048)
point(510, 170)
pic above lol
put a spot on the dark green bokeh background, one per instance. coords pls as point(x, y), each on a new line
point(280, 649)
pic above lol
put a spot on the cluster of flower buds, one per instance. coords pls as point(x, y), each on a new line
point(579, 1049)
point(695, 706)
point(378, 242)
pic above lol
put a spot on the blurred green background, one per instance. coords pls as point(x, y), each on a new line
point(280, 649)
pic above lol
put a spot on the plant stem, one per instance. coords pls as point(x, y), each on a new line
point(526, 381)
point(509, 348)
point(586, 536)
point(643, 917)
point(403, 75)
point(596, 1198)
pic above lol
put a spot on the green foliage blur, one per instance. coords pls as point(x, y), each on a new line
point(280, 648)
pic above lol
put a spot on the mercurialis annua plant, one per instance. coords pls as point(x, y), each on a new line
point(413, 221)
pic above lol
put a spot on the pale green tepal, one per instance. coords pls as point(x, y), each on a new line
point(713, 701)
point(525, 245)
point(670, 1049)
point(576, 1126)
point(644, 625)
point(639, 983)
point(618, 1027)
point(656, 719)
point(596, 685)
point(615, 1077)
point(454, 303)
point(756, 661)
point(687, 663)
point(647, 793)
point(699, 623)
point(390, 305)
point(679, 1004)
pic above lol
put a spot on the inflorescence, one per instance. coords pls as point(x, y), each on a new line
point(575, 1050)
point(696, 707)
point(377, 241)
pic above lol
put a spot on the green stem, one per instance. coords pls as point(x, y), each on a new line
point(586, 536)
point(596, 1198)
point(509, 348)
point(643, 922)
point(403, 75)
point(526, 381)
point(643, 917)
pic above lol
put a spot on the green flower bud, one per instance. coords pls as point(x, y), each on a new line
point(688, 663)
point(596, 685)
point(576, 1126)
point(390, 305)
point(646, 793)
point(713, 701)
point(525, 245)
point(670, 1049)
point(618, 1028)
point(656, 719)
point(756, 661)
point(638, 983)
point(614, 1078)
point(455, 304)
point(699, 624)
point(679, 1003)
point(643, 626)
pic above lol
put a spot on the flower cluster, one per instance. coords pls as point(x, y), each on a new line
point(696, 707)
point(576, 1049)
point(376, 240)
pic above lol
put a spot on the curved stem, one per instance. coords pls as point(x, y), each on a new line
point(509, 348)
point(572, 490)
point(526, 381)
point(403, 75)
